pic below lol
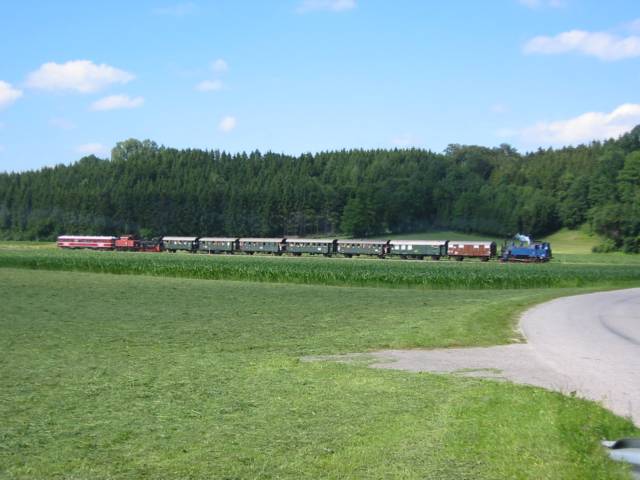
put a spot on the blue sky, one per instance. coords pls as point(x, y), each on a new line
point(308, 75)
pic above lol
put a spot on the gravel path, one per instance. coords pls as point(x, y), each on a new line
point(587, 344)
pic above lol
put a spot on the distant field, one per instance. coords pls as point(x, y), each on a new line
point(128, 377)
point(13, 245)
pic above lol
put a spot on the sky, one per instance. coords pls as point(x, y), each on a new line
point(299, 76)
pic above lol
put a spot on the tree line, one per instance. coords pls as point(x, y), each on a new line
point(152, 190)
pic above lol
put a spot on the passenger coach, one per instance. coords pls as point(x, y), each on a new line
point(418, 248)
point(312, 246)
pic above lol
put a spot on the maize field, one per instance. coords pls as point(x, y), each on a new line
point(334, 271)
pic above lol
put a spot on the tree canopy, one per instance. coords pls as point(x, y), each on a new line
point(151, 190)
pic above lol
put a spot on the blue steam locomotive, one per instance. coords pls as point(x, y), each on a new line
point(523, 249)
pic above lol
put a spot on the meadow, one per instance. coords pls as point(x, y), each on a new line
point(120, 376)
point(129, 365)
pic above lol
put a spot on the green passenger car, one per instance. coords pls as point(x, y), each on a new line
point(418, 248)
point(172, 244)
point(218, 244)
point(349, 248)
point(313, 246)
point(276, 246)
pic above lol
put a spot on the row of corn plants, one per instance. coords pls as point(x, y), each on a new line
point(353, 272)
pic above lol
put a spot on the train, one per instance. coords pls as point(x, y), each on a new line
point(526, 252)
point(405, 249)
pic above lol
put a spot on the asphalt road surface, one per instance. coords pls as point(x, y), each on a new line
point(586, 344)
point(595, 341)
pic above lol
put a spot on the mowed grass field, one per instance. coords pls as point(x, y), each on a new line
point(118, 376)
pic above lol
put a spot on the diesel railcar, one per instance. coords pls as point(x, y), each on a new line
point(100, 242)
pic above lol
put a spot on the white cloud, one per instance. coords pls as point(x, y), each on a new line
point(583, 128)
point(8, 94)
point(176, 10)
point(542, 3)
point(227, 124)
point(92, 149)
point(62, 123)
point(115, 102)
point(406, 140)
point(209, 86)
point(81, 76)
point(326, 5)
point(220, 66)
point(604, 46)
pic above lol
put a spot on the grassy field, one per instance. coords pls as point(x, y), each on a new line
point(578, 241)
point(118, 376)
point(566, 271)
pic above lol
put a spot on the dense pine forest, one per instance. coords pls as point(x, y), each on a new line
point(152, 190)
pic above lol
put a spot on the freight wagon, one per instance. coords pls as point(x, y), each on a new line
point(460, 249)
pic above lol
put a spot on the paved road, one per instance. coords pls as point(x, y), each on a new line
point(587, 344)
point(594, 340)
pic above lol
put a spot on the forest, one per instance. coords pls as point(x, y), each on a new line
point(152, 190)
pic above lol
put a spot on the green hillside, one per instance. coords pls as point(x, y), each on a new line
point(573, 241)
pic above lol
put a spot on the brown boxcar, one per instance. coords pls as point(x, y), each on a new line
point(471, 249)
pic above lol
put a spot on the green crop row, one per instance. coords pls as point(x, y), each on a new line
point(357, 272)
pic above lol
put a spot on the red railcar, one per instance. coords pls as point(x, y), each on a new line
point(128, 242)
point(87, 241)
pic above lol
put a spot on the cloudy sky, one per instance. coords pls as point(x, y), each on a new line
point(308, 75)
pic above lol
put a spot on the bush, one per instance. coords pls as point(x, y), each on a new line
point(605, 247)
